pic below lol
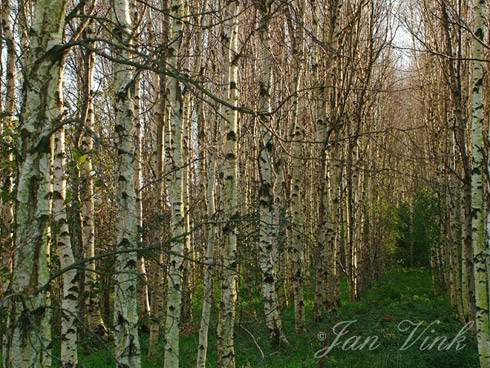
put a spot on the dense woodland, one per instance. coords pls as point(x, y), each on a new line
point(174, 167)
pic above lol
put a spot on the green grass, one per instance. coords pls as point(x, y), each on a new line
point(400, 295)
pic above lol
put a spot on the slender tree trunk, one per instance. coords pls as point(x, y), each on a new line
point(69, 303)
point(467, 250)
point(161, 116)
point(187, 285)
point(280, 259)
point(209, 265)
point(333, 298)
point(296, 248)
point(267, 230)
point(320, 102)
point(297, 252)
point(157, 292)
point(175, 184)
point(143, 294)
point(95, 321)
point(7, 221)
point(208, 179)
point(335, 152)
point(480, 246)
point(127, 348)
point(350, 254)
point(7, 202)
point(229, 174)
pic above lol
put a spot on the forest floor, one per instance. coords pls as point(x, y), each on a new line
point(402, 295)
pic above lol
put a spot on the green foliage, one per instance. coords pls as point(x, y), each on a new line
point(77, 159)
point(403, 294)
point(389, 225)
point(413, 227)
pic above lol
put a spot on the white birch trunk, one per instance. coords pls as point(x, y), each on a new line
point(208, 178)
point(480, 246)
point(143, 294)
point(28, 337)
point(69, 303)
point(127, 349)
point(174, 160)
point(94, 317)
point(208, 271)
point(296, 246)
point(229, 174)
point(158, 284)
point(267, 229)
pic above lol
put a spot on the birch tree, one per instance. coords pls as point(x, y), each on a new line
point(91, 286)
point(267, 229)
point(6, 237)
point(175, 182)
point(143, 294)
point(480, 246)
point(229, 175)
point(69, 304)
point(28, 339)
point(206, 136)
point(161, 119)
point(208, 271)
point(127, 348)
point(296, 137)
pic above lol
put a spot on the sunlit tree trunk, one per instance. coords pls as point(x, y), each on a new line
point(480, 246)
point(94, 317)
point(69, 303)
point(229, 174)
point(454, 73)
point(208, 183)
point(161, 117)
point(296, 248)
point(127, 349)
point(280, 258)
point(157, 292)
point(143, 294)
point(209, 264)
point(175, 163)
point(187, 285)
point(456, 260)
point(297, 252)
point(321, 188)
point(29, 331)
point(267, 229)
